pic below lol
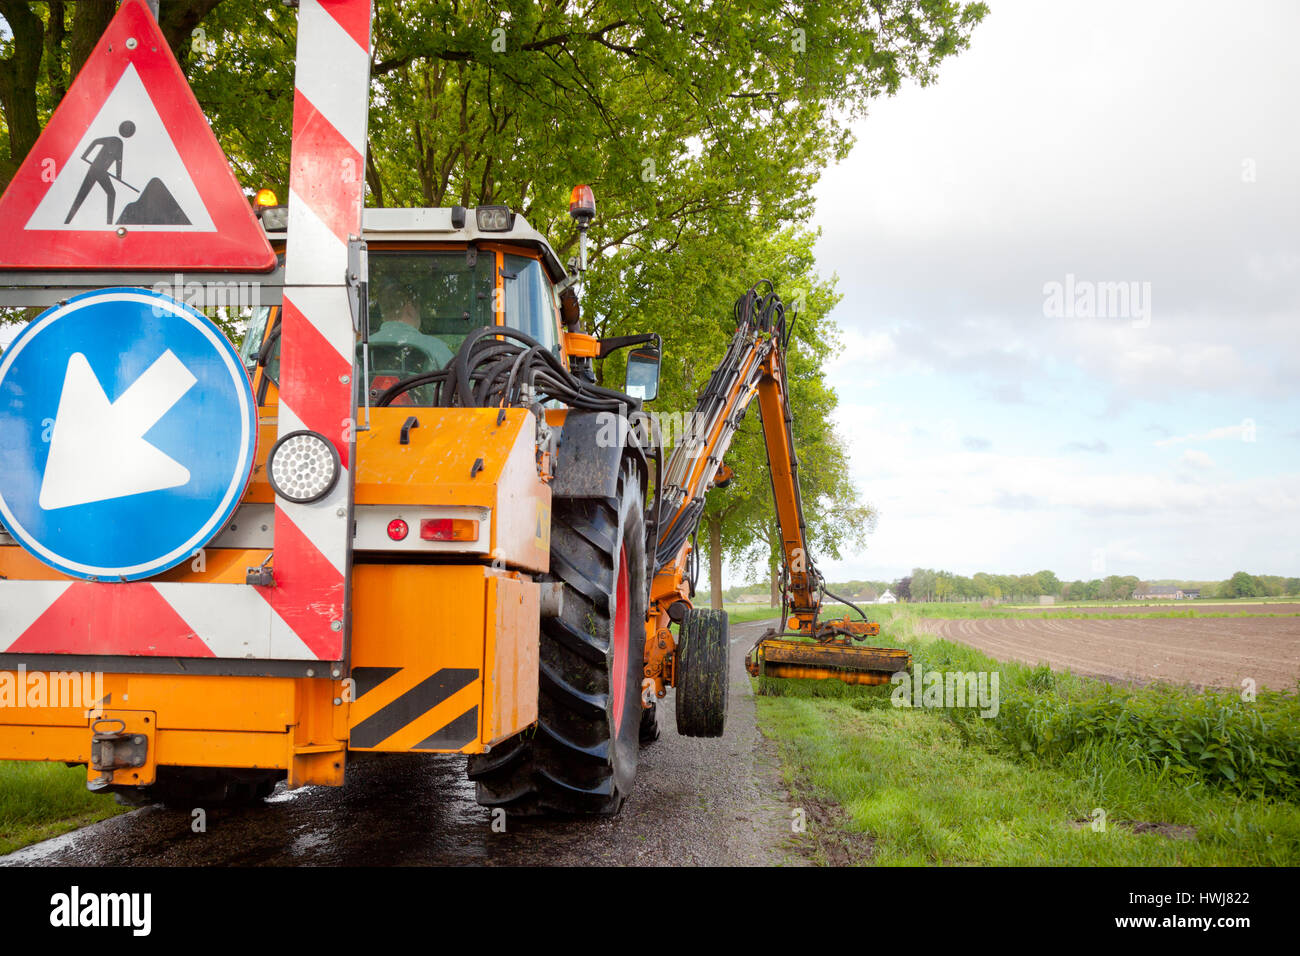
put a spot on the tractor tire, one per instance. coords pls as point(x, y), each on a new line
point(703, 673)
point(580, 757)
point(651, 724)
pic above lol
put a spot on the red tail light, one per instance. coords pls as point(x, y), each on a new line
point(448, 529)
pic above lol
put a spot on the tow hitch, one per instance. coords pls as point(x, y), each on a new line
point(114, 749)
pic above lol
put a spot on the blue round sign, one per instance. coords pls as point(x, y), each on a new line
point(127, 434)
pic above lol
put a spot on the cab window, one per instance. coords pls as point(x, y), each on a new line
point(437, 294)
point(529, 300)
point(422, 305)
point(254, 332)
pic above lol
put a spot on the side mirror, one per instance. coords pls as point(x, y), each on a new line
point(643, 374)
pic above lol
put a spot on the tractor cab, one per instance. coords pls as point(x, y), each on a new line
point(435, 275)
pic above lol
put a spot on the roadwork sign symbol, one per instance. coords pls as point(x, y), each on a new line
point(125, 153)
point(138, 180)
point(127, 433)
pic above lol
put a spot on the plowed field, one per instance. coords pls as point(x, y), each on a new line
point(1203, 652)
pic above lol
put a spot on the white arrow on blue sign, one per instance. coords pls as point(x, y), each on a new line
point(127, 434)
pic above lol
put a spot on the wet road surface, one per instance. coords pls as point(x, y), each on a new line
point(715, 802)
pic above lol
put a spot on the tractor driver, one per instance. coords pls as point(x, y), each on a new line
point(418, 352)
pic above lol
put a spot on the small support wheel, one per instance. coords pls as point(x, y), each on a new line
point(651, 724)
point(703, 673)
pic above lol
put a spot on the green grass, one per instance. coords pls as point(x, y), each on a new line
point(740, 613)
point(911, 782)
point(945, 786)
point(42, 800)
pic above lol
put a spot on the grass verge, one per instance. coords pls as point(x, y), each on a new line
point(1176, 777)
point(42, 800)
point(741, 613)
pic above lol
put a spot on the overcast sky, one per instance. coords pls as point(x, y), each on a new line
point(1001, 425)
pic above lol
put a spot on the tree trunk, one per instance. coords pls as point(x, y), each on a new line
point(774, 564)
point(90, 19)
point(715, 562)
point(178, 22)
point(55, 31)
point(18, 74)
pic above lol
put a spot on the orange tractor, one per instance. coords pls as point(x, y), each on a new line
point(401, 518)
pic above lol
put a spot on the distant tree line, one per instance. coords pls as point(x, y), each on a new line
point(925, 584)
point(1244, 584)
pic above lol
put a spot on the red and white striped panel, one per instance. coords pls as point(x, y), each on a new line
point(313, 542)
point(156, 620)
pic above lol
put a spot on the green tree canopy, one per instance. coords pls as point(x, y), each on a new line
point(701, 128)
point(1243, 584)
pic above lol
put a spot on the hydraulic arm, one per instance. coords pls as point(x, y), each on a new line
point(802, 645)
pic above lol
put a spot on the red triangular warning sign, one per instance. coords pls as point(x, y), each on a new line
point(127, 175)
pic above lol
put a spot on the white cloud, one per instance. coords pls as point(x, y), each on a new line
point(942, 505)
point(1097, 447)
point(1122, 160)
point(859, 349)
point(1243, 432)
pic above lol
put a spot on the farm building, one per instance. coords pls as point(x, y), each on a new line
point(887, 598)
point(1167, 592)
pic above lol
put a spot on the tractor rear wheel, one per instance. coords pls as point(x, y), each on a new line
point(703, 673)
point(581, 756)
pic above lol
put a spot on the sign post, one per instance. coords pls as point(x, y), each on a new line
point(318, 370)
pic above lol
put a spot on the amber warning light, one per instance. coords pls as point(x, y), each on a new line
point(582, 205)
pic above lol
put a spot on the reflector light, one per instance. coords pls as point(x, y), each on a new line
point(449, 529)
point(303, 466)
point(398, 529)
point(493, 218)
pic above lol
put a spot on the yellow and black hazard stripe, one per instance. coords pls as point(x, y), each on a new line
point(385, 722)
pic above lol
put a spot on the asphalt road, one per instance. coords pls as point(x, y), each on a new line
point(714, 802)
